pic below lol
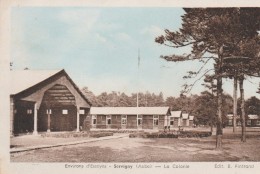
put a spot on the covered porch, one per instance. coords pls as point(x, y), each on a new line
point(55, 104)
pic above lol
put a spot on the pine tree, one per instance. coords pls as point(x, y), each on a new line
point(208, 31)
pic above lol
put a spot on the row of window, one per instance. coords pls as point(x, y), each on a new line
point(65, 111)
point(124, 120)
point(230, 122)
point(49, 111)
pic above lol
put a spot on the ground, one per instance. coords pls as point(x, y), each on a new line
point(151, 150)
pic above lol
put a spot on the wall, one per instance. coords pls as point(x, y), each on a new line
point(161, 122)
point(101, 121)
point(131, 122)
point(23, 122)
point(176, 122)
point(82, 117)
point(147, 122)
point(59, 121)
point(116, 122)
point(191, 123)
point(185, 122)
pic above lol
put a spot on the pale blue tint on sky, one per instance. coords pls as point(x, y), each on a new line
point(98, 47)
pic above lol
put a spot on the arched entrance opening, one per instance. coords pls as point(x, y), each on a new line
point(58, 111)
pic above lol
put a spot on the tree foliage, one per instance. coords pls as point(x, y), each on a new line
point(253, 106)
point(117, 99)
point(209, 31)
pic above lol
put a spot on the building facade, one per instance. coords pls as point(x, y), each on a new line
point(191, 121)
point(45, 101)
point(185, 120)
point(252, 120)
point(49, 101)
point(129, 117)
point(175, 119)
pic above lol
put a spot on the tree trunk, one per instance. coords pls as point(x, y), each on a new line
point(219, 130)
point(243, 120)
point(235, 104)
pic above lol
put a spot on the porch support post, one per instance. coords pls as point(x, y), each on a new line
point(137, 121)
point(77, 130)
point(35, 132)
point(49, 121)
point(12, 115)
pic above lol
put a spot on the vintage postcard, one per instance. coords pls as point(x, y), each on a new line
point(161, 87)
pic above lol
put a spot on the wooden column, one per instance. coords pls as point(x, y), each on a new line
point(49, 121)
point(35, 132)
point(137, 126)
point(12, 114)
point(77, 130)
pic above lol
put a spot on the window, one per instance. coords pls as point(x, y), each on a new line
point(171, 121)
point(139, 120)
point(156, 116)
point(94, 119)
point(123, 119)
point(155, 120)
point(81, 111)
point(257, 122)
point(48, 111)
point(230, 122)
point(64, 111)
point(248, 122)
point(29, 111)
point(108, 119)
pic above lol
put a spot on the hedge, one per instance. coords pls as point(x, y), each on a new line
point(117, 130)
point(181, 134)
point(77, 134)
point(198, 134)
point(153, 135)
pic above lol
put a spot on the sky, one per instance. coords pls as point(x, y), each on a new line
point(98, 48)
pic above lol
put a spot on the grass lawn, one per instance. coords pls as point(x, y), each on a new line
point(151, 150)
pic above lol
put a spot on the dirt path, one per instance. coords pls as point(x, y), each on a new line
point(146, 150)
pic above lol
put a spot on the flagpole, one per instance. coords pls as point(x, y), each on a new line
point(137, 102)
point(137, 96)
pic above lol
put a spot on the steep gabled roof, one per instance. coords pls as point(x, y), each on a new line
point(22, 81)
point(129, 110)
point(176, 114)
point(185, 116)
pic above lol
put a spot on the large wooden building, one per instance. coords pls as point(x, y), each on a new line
point(129, 117)
point(48, 101)
point(45, 101)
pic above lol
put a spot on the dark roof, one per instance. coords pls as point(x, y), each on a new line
point(25, 81)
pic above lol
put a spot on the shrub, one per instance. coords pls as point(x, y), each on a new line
point(190, 134)
point(77, 134)
point(100, 134)
point(153, 135)
point(117, 130)
point(182, 134)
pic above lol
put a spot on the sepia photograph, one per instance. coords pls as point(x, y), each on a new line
point(105, 87)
